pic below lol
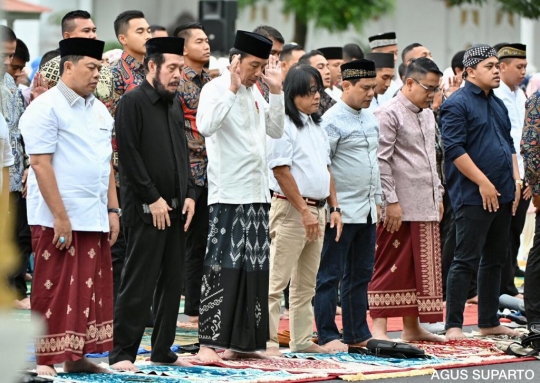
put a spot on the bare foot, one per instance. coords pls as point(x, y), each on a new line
point(519, 296)
point(454, 333)
point(418, 333)
point(124, 365)
point(44, 370)
point(285, 314)
point(273, 352)
point(84, 365)
point(26, 303)
point(381, 335)
point(208, 355)
point(229, 354)
point(335, 346)
point(192, 319)
point(499, 330)
point(338, 310)
point(361, 344)
point(27, 277)
point(315, 349)
point(473, 300)
point(21, 305)
point(178, 362)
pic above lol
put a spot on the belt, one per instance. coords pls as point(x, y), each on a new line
point(309, 201)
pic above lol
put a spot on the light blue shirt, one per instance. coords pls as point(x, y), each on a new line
point(354, 141)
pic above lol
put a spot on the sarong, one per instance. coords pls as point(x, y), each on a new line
point(407, 278)
point(233, 313)
point(73, 291)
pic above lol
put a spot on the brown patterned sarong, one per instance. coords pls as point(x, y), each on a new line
point(72, 290)
point(407, 279)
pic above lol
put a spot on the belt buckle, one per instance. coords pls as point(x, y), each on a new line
point(321, 203)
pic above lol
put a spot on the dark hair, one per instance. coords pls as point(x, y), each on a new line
point(420, 67)
point(48, 56)
point(407, 49)
point(287, 51)
point(158, 58)
point(457, 61)
point(67, 24)
point(402, 69)
point(297, 83)
point(308, 55)
point(234, 52)
point(7, 34)
point(269, 32)
point(21, 51)
point(155, 27)
point(74, 59)
point(184, 30)
point(352, 52)
point(121, 23)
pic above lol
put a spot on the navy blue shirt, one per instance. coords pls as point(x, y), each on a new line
point(478, 125)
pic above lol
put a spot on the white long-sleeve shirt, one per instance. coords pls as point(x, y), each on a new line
point(235, 127)
point(514, 100)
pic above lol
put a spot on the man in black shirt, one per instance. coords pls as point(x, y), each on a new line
point(158, 193)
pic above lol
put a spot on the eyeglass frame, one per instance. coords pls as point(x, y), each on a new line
point(312, 93)
point(426, 88)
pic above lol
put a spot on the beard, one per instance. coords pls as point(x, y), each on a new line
point(165, 94)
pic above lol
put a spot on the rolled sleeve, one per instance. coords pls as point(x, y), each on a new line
point(39, 128)
point(453, 130)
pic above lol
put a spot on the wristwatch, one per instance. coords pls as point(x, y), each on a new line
point(335, 209)
point(520, 183)
point(117, 211)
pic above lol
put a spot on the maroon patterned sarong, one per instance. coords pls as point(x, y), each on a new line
point(407, 278)
point(73, 291)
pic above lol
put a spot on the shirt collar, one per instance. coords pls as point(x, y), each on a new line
point(305, 118)
point(193, 76)
point(132, 62)
point(408, 104)
point(507, 89)
point(476, 89)
point(150, 91)
point(71, 96)
point(348, 108)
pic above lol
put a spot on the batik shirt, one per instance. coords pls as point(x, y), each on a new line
point(189, 91)
point(530, 147)
point(126, 74)
point(326, 103)
point(12, 109)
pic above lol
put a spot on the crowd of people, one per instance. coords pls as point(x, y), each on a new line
point(140, 176)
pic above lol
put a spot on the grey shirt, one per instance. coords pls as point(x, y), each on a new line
point(354, 141)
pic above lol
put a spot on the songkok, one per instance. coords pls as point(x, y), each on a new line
point(253, 44)
point(383, 40)
point(478, 53)
point(78, 46)
point(382, 60)
point(172, 45)
point(332, 53)
point(358, 69)
point(512, 51)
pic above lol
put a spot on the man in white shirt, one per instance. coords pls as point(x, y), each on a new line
point(384, 62)
point(73, 211)
point(513, 64)
point(334, 56)
point(302, 184)
point(387, 43)
point(235, 119)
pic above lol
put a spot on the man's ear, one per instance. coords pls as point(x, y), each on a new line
point(122, 39)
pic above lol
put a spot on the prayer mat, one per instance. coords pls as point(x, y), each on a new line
point(181, 338)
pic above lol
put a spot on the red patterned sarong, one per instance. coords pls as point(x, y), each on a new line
point(72, 290)
point(407, 279)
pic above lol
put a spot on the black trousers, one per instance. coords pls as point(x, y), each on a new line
point(195, 250)
point(118, 254)
point(23, 239)
point(532, 279)
point(448, 245)
point(516, 228)
point(152, 276)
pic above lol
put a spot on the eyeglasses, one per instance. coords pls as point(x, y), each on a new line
point(313, 90)
point(428, 89)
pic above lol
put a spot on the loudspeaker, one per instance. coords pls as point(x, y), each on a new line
point(219, 20)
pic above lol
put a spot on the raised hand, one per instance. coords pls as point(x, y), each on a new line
point(236, 81)
point(39, 86)
point(272, 75)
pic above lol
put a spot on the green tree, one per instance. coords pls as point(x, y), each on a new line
point(525, 8)
point(333, 15)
